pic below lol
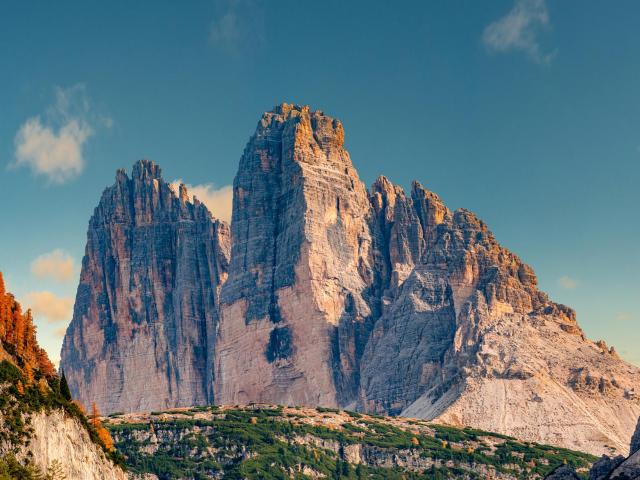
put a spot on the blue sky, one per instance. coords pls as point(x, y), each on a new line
point(526, 112)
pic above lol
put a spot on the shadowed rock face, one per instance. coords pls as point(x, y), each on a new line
point(635, 440)
point(143, 330)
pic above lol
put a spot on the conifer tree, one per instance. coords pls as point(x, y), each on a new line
point(64, 387)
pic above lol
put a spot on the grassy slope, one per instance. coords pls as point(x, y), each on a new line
point(273, 442)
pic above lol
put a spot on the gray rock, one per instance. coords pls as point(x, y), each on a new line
point(604, 466)
point(629, 469)
point(563, 472)
point(143, 330)
point(635, 440)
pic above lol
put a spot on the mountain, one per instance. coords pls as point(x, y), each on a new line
point(394, 304)
point(42, 432)
point(337, 295)
point(143, 329)
point(274, 442)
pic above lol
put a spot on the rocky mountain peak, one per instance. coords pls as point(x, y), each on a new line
point(143, 330)
point(146, 170)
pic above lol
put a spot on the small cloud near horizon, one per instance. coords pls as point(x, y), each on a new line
point(49, 306)
point(57, 265)
point(519, 30)
point(219, 201)
point(568, 282)
point(624, 316)
point(52, 144)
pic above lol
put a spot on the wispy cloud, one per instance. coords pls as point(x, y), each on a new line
point(52, 144)
point(519, 30)
point(568, 283)
point(219, 201)
point(48, 305)
point(238, 25)
point(57, 265)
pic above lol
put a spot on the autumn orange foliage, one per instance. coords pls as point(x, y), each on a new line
point(18, 336)
point(103, 433)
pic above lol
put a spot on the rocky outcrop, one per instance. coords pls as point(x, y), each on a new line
point(635, 440)
point(294, 315)
point(59, 438)
point(604, 466)
point(628, 470)
point(563, 473)
point(143, 330)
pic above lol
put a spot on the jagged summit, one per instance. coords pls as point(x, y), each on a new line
point(146, 169)
point(142, 170)
point(143, 329)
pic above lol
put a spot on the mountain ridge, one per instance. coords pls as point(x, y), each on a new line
point(337, 295)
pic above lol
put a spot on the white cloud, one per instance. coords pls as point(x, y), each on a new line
point(568, 283)
point(238, 25)
point(57, 265)
point(519, 30)
point(218, 201)
point(48, 305)
point(52, 144)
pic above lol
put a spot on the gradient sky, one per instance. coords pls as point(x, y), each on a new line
point(526, 112)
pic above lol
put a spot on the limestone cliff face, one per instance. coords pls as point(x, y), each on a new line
point(299, 269)
point(392, 303)
point(58, 437)
point(143, 330)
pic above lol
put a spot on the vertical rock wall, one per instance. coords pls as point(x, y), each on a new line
point(299, 269)
point(143, 330)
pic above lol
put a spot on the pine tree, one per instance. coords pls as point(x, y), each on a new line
point(55, 471)
point(337, 474)
point(346, 469)
point(64, 387)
